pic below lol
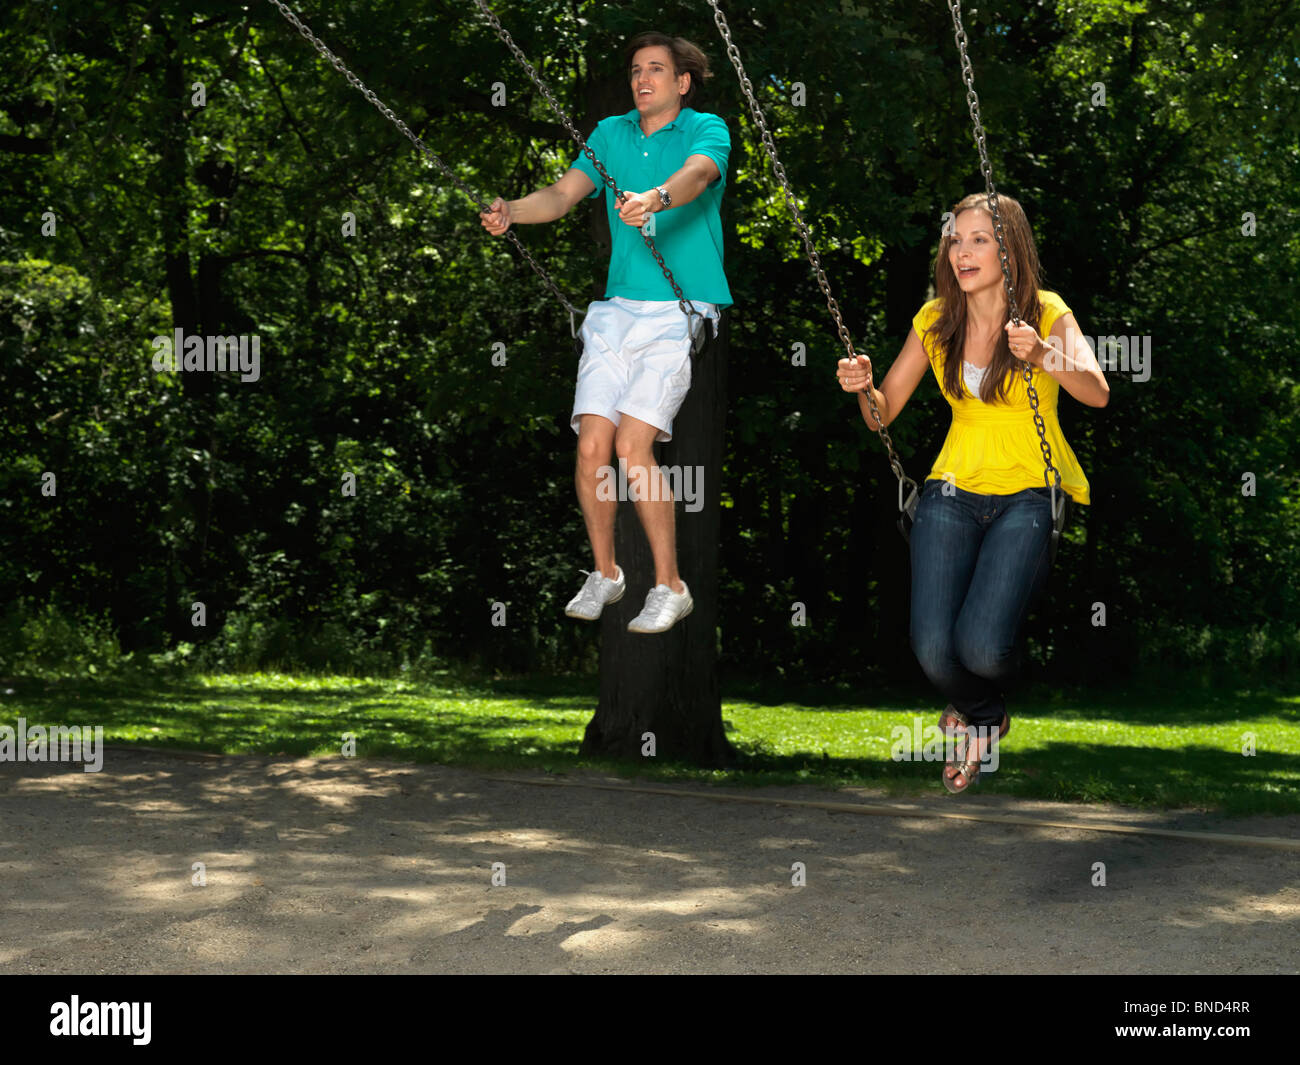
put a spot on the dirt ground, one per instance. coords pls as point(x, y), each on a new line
point(350, 866)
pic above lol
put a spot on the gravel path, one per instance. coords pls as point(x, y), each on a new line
point(348, 866)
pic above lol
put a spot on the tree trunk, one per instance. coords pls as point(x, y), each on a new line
point(667, 683)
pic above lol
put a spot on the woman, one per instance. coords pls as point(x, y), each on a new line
point(982, 530)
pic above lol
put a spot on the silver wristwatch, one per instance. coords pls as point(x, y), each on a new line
point(663, 195)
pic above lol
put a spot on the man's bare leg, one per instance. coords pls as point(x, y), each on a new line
point(595, 450)
point(633, 443)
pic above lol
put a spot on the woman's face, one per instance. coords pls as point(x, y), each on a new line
point(973, 252)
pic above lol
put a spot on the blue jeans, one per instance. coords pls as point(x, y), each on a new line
point(979, 563)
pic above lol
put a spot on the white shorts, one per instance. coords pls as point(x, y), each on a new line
point(636, 360)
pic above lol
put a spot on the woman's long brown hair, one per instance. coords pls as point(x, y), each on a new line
point(949, 329)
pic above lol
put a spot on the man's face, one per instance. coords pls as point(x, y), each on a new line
point(654, 86)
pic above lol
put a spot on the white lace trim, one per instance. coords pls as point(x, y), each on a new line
point(974, 376)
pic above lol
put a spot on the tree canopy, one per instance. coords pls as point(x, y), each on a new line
point(170, 166)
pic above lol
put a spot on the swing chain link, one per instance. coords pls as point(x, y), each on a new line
point(387, 112)
point(686, 309)
point(733, 53)
point(973, 103)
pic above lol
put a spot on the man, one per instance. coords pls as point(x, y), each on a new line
point(636, 363)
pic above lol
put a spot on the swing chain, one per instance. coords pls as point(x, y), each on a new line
point(387, 112)
point(733, 53)
point(973, 103)
point(686, 309)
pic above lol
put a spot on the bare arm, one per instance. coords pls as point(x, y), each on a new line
point(696, 175)
point(899, 384)
point(1073, 363)
point(1066, 356)
point(544, 205)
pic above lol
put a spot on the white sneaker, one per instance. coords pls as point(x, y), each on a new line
point(663, 609)
point(595, 594)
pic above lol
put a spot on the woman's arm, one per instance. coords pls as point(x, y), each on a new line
point(898, 386)
point(1068, 358)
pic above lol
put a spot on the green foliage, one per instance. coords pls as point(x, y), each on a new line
point(42, 641)
point(226, 219)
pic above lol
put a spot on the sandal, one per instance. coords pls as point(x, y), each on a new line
point(964, 766)
point(952, 721)
point(968, 770)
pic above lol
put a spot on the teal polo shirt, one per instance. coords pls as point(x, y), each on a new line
point(688, 237)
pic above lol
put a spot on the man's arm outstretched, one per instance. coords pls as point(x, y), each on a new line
point(544, 205)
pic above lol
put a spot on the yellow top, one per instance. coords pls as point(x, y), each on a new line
point(992, 448)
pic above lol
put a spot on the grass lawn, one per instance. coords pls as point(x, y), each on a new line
point(1138, 748)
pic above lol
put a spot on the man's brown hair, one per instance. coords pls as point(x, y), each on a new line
point(687, 59)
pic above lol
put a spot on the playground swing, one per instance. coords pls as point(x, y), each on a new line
point(907, 506)
point(697, 334)
point(428, 153)
point(907, 499)
point(694, 319)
